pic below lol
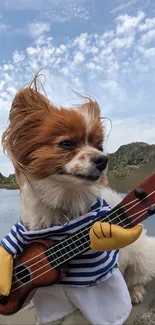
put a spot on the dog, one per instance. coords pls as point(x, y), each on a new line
point(61, 169)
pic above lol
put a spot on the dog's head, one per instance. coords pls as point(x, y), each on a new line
point(45, 141)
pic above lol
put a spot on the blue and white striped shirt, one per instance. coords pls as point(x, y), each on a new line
point(84, 270)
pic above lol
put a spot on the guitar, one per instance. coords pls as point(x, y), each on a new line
point(43, 263)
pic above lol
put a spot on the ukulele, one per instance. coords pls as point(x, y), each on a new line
point(43, 262)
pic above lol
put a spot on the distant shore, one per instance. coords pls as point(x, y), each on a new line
point(8, 187)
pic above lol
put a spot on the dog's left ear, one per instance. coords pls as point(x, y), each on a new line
point(91, 108)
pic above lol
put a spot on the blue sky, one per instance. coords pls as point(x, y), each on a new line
point(103, 48)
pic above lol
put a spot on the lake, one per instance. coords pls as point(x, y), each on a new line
point(10, 212)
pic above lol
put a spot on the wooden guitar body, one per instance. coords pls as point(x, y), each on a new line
point(30, 272)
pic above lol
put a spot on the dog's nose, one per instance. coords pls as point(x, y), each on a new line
point(100, 162)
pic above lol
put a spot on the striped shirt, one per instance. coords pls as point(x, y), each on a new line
point(87, 269)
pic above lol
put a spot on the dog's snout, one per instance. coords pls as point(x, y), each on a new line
point(100, 162)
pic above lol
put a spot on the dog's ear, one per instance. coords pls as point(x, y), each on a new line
point(28, 110)
point(28, 101)
point(90, 109)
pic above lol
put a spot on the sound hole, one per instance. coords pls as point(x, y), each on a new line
point(23, 274)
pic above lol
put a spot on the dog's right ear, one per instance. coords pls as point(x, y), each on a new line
point(91, 109)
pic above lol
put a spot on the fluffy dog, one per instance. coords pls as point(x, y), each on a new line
point(61, 169)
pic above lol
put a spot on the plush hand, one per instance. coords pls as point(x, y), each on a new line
point(6, 270)
point(106, 237)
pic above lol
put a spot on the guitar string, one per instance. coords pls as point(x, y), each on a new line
point(75, 240)
point(76, 248)
point(111, 220)
point(52, 268)
point(74, 234)
point(66, 238)
point(57, 265)
point(111, 214)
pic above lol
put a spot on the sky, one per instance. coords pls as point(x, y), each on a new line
point(101, 48)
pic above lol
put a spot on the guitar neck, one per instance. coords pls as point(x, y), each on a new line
point(79, 242)
point(137, 206)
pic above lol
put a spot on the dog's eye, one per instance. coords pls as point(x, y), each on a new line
point(99, 146)
point(68, 145)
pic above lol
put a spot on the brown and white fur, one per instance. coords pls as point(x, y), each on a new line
point(53, 151)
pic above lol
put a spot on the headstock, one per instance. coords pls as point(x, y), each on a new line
point(139, 203)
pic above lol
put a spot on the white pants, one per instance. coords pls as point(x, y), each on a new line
point(106, 303)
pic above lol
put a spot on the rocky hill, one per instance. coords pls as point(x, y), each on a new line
point(129, 158)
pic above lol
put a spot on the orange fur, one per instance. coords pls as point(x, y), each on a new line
point(36, 128)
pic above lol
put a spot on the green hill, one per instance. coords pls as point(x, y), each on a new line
point(130, 164)
point(8, 182)
point(129, 158)
point(124, 184)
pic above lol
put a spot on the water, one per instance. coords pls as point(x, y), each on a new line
point(10, 212)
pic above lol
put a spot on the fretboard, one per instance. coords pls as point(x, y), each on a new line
point(79, 242)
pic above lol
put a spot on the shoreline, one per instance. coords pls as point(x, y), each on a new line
point(9, 187)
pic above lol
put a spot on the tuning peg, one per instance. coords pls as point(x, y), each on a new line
point(140, 193)
point(151, 210)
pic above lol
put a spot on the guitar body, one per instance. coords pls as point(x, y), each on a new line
point(37, 267)
point(30, 272)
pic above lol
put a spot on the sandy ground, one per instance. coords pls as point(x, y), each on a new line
point(28, 317)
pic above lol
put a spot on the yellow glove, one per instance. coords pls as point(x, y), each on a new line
point(6, 271)
point(106, 237)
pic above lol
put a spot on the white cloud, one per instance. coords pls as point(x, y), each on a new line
point(37, 29)
point(78, 58)
point(150, 53)
point(148, 24)
point(127, 130)
point(127, 24)
point(33, 5)
point(110, 85)
point(81, 41)
point(123, 6)
point(116, 67)
point(132, 5)
point(62, 10)
point(3, 28)
point(7, 67)
point(6, 167)
point(148, 37)
point(93, 66)
point(18, 57)
point(11, 90)
point(108, 35)
point(122, 42)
